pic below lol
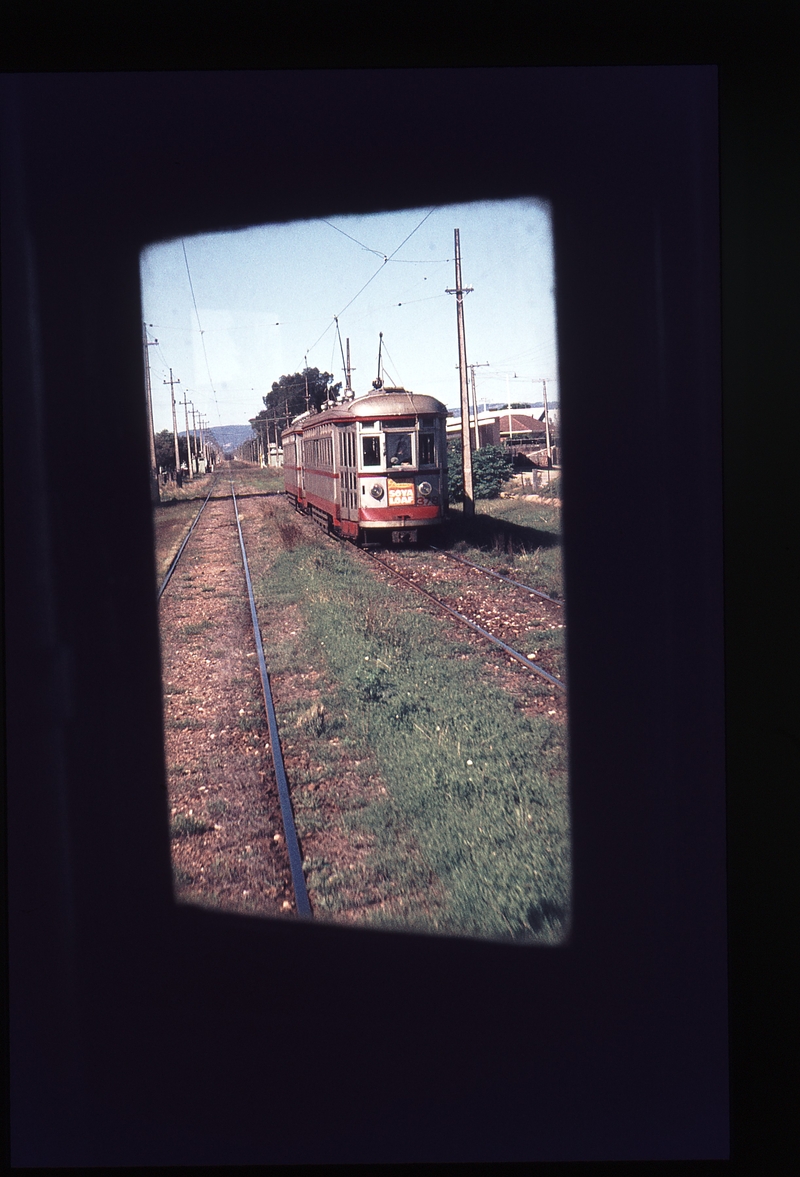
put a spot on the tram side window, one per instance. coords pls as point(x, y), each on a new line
point(372, 451)
point(426, 450)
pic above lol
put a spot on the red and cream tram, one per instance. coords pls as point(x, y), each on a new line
point(372, 467)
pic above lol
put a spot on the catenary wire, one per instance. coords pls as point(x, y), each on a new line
point(199, 326)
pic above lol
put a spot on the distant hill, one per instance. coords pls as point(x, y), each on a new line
point(230, 437)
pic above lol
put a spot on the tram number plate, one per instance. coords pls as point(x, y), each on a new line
point(401, 494)
point(407, 536)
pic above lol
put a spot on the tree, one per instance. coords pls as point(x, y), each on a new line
point(491, 466)
point(288, 397)
point(165, 449)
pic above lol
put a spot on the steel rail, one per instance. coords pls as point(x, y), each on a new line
point(174, 563)
point(473, 625)
point(489, 572)
point(292, 844)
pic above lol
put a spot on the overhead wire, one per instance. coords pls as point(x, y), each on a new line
point(361, 243)
point(401, 261)
point(431, 261)
point(385, 261)
point(200, 328)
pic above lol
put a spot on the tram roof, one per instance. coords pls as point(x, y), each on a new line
point(382, 402)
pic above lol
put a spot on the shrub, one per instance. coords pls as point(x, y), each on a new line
point(491, 466)
point(551, 489)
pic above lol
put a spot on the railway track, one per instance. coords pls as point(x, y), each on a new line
point(517, 655)
point(292, 843)
point(477, 573)
point(498, 575)
point(350, 876)
point(187, 537)
point(302, 902)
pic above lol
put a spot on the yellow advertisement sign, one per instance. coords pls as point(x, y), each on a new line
point(401, 494)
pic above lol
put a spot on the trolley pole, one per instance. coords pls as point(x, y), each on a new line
point(466, 436)
point(154, 491)
point(171, 382)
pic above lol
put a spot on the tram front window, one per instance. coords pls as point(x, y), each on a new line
point(398, 449)
point(372, 451)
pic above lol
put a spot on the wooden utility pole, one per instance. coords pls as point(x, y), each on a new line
point(508, 399)
point(472, 368)
point(154, 491)
point(202, 449)
point(466, 436)
point(196, 441)
point(171, 384)
point(188, 440)
point(547, 431)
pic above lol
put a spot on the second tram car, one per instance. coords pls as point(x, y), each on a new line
point(371, 468)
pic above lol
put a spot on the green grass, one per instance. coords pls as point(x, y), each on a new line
point(251, 723)
point(184, 826)
point(170, 525)
point(192, 489)
point(252, 479)
point(184, 724)
point(513, 537)
point(199, 627)
point(480, 787)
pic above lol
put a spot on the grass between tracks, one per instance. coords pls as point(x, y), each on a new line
point(481, 787)
point(170, 524)
point(173, 515)
point(512, 536)
point(253, 479)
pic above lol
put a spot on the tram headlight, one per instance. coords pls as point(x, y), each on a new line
point(424, 489)
point(377, 491)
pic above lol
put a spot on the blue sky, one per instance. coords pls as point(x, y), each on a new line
point(264, 298)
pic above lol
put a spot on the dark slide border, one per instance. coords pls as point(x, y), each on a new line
point(142, 1034)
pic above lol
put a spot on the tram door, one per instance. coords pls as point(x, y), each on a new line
point(348, 481)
